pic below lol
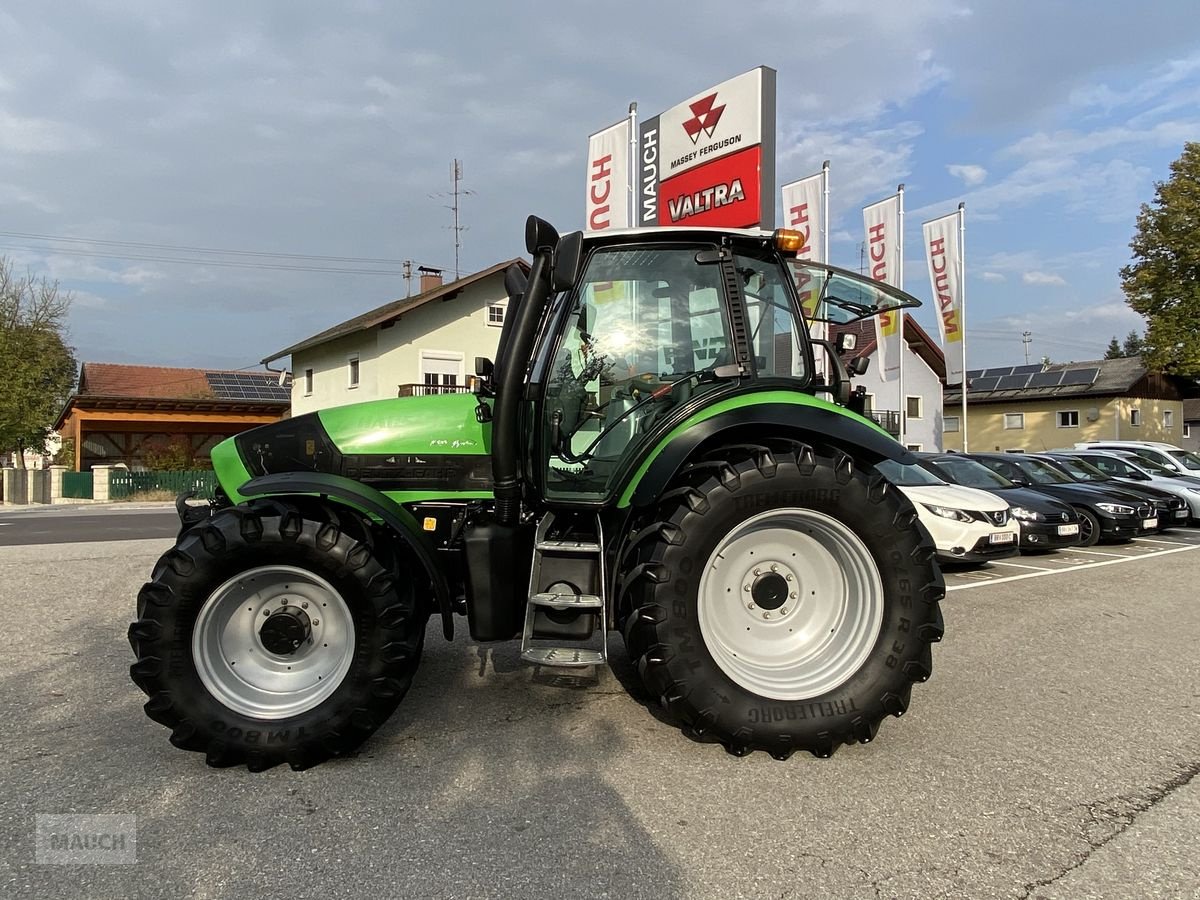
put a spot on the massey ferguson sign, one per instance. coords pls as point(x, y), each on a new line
point(711, 159)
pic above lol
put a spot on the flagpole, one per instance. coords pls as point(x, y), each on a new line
point(962, 310)
point(821, 310)
point(903, 405)
point(630, 180)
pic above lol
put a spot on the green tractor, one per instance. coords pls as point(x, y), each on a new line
point(649, 453)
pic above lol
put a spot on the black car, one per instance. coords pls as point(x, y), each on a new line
point(1105, 514)
point(1169, 509)
point(1044, 523)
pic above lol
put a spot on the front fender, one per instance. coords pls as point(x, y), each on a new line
point(811, 421)
point(361, 497)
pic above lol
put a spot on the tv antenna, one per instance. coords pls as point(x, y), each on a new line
point(1026, 339)
point(456, 175)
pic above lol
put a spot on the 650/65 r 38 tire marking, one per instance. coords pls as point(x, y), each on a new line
point(781, 598)
point(336, 640)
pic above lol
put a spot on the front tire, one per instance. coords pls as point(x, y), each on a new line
point(782, 599)
point(1089, 527)
point(271, 635)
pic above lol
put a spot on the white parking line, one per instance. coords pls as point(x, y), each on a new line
point(1171, 543)
point(998, 562)
point(1101, 552)
point(1091, 565)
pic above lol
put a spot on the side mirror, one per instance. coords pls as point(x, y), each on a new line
point(539, 235)
point(484, 367)
point(847, 342)
point(568, 258)
point(858, 365)
point(1018, 481)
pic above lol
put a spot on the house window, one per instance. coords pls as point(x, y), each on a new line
point(1135, 417)
point(495, 313)
point(1014, 421)
point(1068, 418)
point(916, 448)
point(869, 402)
point(308, 382)
point(913, 408)
point(1187, 429)
point(353, 369)
point(950, 424)
point(441, 372)
point(1168, 418)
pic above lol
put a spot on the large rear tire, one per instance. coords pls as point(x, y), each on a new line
point(782, 599)
point(271, 635)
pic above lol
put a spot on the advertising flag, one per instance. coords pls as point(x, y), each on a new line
point(608, 178)
point(944, 257)
point(803, 211)
point(882, 222)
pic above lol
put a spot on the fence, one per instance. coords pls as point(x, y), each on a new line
point(124, 484)
point(77, 485)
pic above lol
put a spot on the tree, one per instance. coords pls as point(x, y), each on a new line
point(1114, 349)
point(39, 367)
point(1134, 345)
point(1163, 281)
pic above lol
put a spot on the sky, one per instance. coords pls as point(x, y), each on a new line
point(327, 133)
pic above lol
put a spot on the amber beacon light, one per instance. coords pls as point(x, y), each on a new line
point(789, 240)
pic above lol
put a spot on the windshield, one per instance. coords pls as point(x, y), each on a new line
point(1040, 472)
point(1153, 466)
point(834, 295)
point(775, 328)
point(906, 476)
point(1081, 470)
point(1189, 459)
point(969, 473)
point(1118, 468)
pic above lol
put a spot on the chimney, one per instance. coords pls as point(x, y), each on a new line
point(430, 278)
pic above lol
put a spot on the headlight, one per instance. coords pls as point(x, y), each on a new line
point(947, 513)
point(1116, 509)
point(1194, 490)
point(1027, 515)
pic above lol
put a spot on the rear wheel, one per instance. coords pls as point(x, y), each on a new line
point(267, 635)
point(782, 599)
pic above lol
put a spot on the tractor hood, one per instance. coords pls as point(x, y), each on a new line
point(427, 444)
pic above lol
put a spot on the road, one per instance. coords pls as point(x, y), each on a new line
point(1052, 755)
point(69, 524)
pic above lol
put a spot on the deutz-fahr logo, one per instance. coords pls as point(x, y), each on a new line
point(705, 117)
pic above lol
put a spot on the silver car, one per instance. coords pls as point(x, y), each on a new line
point(1136, 468)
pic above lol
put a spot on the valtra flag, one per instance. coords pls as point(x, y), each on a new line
point(711, 159)
point(882, 221)
point(944, 257)
point(608, 178)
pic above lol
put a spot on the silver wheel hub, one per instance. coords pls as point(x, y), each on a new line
point(273, 642)
point(791, 604)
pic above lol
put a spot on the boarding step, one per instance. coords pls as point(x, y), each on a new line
point(561, 546)
point(569, 657)
point(567, 601)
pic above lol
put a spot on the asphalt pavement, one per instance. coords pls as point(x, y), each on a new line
point(61, 524)
point(1052, 755)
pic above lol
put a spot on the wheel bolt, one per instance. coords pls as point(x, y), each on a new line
point(790, 578)
point(304, 605)
point(792, 596)
point(283, 601)
point(774, 568)
point(766, 615)
point(758, 571)
point(783, 611)
point(266, 612)
point(316, 621)
point(745, 587)
point(749, 606)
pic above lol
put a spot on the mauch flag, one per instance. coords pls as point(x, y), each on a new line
point(802, 205)
point(882, 221)
point(943, 254)
point(608, 178)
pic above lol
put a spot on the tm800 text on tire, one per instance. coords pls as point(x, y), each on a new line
point(268, 634)
point(782, 598)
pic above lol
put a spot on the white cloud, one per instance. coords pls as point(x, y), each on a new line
point(994, 277)
point(1043, 278)
point(970, 174)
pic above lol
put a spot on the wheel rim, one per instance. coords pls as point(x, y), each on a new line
point(240, 620)
point(819, 633)
point(1086, 527)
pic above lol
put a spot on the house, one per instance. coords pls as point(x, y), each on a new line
point(128, 414)
point(417, 345)
point(1038, 407)
point(1190, 439)
point(924, 370)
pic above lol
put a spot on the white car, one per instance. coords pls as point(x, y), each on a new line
point(966, 524)
point(1134, 469)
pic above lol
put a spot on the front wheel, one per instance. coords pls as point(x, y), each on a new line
point(782, 599)
point(1089, 527)
point(269, 634)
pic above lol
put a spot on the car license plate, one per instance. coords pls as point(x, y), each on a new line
point(1068, 529)
point(1181, 513)
point(1004, 537)
point(1149, 523)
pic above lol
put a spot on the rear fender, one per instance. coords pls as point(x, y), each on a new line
point(359, 496)
point(811, 424)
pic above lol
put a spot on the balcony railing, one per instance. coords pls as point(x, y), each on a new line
point(425, 390)
point(888, 419)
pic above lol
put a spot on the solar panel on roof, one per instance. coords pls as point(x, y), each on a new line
point(1012, 382)
point(975, 373)
point(1080, 376)
point(997, 372)
point(246, 386)
point(1046, 379)
point(982, 384)
point(1027, 370)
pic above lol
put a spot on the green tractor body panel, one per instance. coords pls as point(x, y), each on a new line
point(437, 424)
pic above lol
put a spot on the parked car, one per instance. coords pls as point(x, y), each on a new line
point(1105, 514)
point(1169, 509)
point(1043, 523)
point(1185, 462)
point(1138, 470)
point(966, 525)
